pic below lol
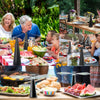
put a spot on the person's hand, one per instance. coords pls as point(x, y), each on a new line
point(8, 46)
point(98, 20)
point(4, 52)
point(94, 42)
point(48, 48)
point(87, 47)
point(19, 40)
point(89, 50)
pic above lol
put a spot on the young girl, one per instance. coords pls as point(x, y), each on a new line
point(54, 52)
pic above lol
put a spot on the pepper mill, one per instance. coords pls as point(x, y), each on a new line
point(90, 22)
point(68, 17)
point(17, 60)
point(26, 42)
point(69, 48)
point(32, 89)
point(81, 57)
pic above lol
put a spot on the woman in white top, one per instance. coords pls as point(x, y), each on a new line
point(7, 25)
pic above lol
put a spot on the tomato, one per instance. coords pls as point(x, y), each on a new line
point(37, 64)
point(13, 88)
point(78, 56)
point(93, 59)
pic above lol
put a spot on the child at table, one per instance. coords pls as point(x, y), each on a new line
point(55, 46)
point(48, 42)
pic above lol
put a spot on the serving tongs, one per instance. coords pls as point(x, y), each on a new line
point(36, 78)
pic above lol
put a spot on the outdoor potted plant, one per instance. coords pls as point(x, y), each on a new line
point(87, 14)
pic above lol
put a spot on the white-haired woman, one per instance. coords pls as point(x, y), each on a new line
point(7, 25)
point(26, 26)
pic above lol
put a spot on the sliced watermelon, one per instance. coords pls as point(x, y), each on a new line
point(79, 86)
point(90, 88)
point(88, 91)
point(75, 86)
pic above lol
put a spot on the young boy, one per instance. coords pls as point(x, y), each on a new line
point(48, 42)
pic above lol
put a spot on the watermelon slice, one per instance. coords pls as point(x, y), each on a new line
point(26, 54)
point(88, 91)
point(79, 86)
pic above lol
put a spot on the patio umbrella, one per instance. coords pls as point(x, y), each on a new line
point(26, 42)
point(81, 62)
point(69, 48)
point(17, 60)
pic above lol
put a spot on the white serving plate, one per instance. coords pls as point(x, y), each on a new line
point(97, 25)
point(91, 61)
point(95, 95)
point(79, 22)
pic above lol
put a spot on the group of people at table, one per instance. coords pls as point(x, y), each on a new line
point(90, 42)
point(8, 29)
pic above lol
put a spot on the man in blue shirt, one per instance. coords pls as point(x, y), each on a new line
point(26, 26)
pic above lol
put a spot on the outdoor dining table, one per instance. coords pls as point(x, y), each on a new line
point(87, 54)
point(58, 96)
point(83, 27)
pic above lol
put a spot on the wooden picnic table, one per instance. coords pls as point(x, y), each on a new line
point(83, 27)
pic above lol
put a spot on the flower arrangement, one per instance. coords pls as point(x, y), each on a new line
point(74, 57)
point(74, 60)
point(87, 14)
point(73, 11)
point(72, 14)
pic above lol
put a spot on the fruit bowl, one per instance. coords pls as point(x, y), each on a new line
point(39, 51)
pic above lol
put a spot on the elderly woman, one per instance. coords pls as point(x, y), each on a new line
point(95, 50)
point(7, 25)
point(26, 26)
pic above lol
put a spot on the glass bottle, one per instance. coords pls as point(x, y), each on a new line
point(68, 17)
point(90, 22)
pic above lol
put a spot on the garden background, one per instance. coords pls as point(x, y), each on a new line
point(85, 5)
point(44, 13)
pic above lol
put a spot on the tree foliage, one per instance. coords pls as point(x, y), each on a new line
point(89, 5)
point(45, 13)
point(85, 5)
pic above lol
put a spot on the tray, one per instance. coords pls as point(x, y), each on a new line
point(95, 95)
point(12, 94)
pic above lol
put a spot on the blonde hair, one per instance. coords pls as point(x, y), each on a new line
point(12, 21)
